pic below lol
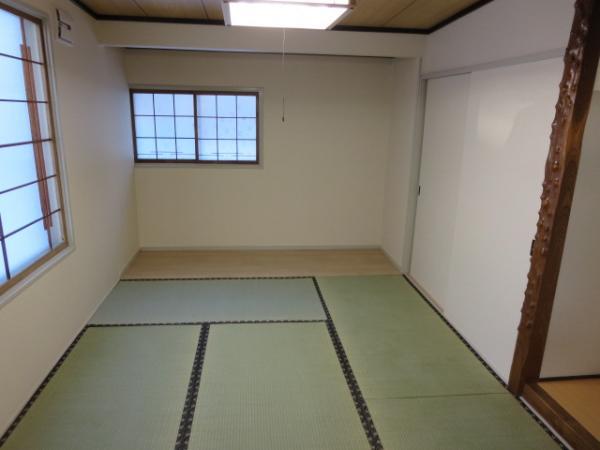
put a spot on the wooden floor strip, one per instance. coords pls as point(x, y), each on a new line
point(580, 397)
point(255, 263)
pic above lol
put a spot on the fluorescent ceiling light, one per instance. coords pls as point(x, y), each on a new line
point(313, 14)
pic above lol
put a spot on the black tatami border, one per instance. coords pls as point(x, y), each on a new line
point(189, 406)
point(194, 383)
point(209, 322)
point(359, 401)
point(288, 277)
point(40, 388)
point(486, 365)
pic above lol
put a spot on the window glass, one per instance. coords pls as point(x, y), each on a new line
point(17, 166)
point(146, 148)
point(208, 150)
point(200, 126)
point(165, 127)
point(185, 127)
point(227, 150)
point(33, 37)
point(184, 105)
point(14, 123)
point(12, 81)
point(186, 149)
point(165, 149)
point(246, 106)
point(143, 104)
point(247, 150)
point(20, 207)
point(207, 106)
point(163, 104)
point(226, 128)
point(3, 275)
point(207, 128)
point(226, 106)
point(10, 34)
point(246, 128)
point(26, 247)
point(144, 126)
point(31, 211)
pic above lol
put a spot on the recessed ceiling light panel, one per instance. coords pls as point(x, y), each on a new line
point(311, 14)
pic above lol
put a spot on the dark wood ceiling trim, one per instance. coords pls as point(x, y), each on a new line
point(380, 29)
point(86, 8)
point(360, 29)
point(463, 12)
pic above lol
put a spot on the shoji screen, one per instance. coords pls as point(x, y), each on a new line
point(480, 198)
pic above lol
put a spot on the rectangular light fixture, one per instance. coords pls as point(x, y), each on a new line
point(312, 14)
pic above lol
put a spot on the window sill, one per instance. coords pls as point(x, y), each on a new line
point(207, 164)
point(8, 292)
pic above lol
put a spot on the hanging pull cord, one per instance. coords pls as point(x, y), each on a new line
point(283, 77)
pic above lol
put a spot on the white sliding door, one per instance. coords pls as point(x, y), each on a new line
point(443, 142)
point(472, 238)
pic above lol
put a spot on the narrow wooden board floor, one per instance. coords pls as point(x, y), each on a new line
point(257, 263)
point(581, 399)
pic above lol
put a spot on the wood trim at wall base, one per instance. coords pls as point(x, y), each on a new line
point(565, 424)
point(571, 377)
point(241, 248)
point(423, 292)
point(395, 263)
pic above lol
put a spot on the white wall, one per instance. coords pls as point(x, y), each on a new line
point(574, 334)
point(321, 182)
point(38, 325)
point(500, 30)
point(402, 162)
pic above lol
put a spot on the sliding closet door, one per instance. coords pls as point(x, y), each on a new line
point(443, 141)
point(485, 143)
point(507, 135)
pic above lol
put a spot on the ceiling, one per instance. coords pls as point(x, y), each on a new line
point(382, 15)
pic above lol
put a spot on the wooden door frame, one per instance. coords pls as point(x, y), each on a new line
point(576, 89)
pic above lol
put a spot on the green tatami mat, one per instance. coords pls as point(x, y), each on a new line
point(397, 345)
point(119, 389)
point(472, 422)
point(274, 387)
point(210, 300)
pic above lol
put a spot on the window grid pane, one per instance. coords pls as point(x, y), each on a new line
point(199, 126)
point(31, 212)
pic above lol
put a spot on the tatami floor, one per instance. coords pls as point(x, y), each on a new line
point(580, 397)
point(342, 362)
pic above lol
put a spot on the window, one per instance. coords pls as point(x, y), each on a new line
point(31, 208)
point(202, 127)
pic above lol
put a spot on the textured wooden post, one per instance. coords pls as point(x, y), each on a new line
point(576, 87)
